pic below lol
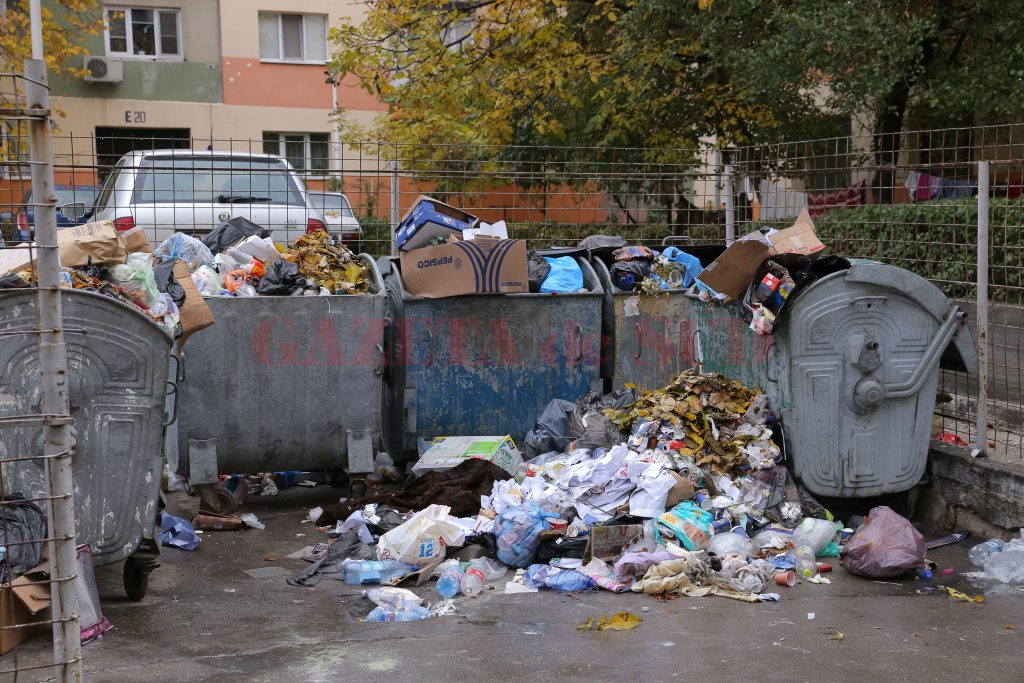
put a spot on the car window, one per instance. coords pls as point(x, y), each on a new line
point(71, 195)
point(331, 202)
point(207, 180)
point(108, 185)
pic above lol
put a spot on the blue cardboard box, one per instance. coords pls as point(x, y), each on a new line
point(429, 219)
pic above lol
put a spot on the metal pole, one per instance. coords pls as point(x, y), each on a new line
point(730, 208)
point(717, 162)
point(67, 643)
point(394, 204)
point(981, 437)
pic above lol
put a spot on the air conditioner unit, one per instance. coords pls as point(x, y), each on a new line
point(103, 69)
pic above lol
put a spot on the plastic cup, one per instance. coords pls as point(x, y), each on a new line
point(786, 578)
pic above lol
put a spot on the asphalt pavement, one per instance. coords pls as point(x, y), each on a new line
point(205, 619)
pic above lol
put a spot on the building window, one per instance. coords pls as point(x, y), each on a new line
point(143, 33)
point(293, 38)
point(306, 152)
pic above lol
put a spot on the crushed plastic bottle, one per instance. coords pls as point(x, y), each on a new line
point(1006, 566)
point(406, 612)
point(491, 569)
point(449, 583)
point(981, 551)
point(395, 597)
point(374, 571)
point(472, 582)
point(806, 564)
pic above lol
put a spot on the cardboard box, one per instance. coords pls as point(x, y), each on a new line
point(448, 451)
point(481, 266)
point(26, 600)
point(194, 313)
point(428, 219)
point(730, 274)
point(606, 542)
point(97, 243)
point(137, 240)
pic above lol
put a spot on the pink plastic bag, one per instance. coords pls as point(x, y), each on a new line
point(886, 545)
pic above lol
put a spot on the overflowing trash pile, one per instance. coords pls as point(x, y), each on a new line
point(238, 259)
point(678, 490)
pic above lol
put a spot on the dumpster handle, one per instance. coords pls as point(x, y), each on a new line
point(379, 365)
point(912, 384)
point(172, 386)
point(579, 340)
point(639, 346)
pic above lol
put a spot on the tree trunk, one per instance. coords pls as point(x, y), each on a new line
point(886, 141)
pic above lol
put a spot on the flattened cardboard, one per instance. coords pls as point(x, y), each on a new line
point(137, 240)
point(194, 313)
point(24, 601)
point(481, 266)
point(731, 273)
point(606, 542)
point(448, 451)
point(98, 243)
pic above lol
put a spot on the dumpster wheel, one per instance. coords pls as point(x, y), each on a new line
point(137, 569)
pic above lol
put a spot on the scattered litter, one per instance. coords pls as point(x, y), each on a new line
point(645, 609)
point(818, 578)
point(443, 608)
point(252, 521)
point(307, 483)
point(271, 558)
point(314, 514)
point(810, 616)
point(177, 532)
point(837, 635)
point(1008, 627)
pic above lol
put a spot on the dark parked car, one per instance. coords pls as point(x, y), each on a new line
point(70, 200)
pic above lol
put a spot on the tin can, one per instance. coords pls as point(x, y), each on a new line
point(845, 535)
point(739, 531)
point(722, 526)
point(702, 499)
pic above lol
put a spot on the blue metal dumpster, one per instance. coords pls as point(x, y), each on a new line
point(486, 364)
point(117, 380)
point(281, 383)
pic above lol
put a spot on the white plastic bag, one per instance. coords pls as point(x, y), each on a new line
point(423, 538)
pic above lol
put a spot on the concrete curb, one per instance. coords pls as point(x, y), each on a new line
point(983, 496)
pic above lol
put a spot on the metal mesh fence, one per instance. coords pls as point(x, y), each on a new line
point(37, 525)
point(909, 200)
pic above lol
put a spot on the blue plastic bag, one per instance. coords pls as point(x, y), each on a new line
point(561, 580)
point(565, 275)
point(182, 247)
point(177, 532)
point(688, 523)
point(518, 533)
point(689, 264)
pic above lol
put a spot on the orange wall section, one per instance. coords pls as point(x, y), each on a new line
point(251, 82)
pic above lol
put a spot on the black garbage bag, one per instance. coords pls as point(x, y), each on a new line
point(12, 281)
point(591, 427)
point(22, 530)
point(626, 275)
point(281, 279)
point(165, 282)
point(602, 245)
point(551, 431)
point(561, 546)
point(537, 271)
point(231, 232)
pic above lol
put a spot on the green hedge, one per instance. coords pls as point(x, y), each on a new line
point(937, 240)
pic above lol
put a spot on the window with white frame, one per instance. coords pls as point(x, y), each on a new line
point(293, 37)
point(135, 32)
point(306, 152)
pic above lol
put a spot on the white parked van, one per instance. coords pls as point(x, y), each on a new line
point(190, 191)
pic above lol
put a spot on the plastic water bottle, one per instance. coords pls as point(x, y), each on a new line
point(449, 582)
point(806, 563)
point(472, 582)
point(405, 613)
point(981, 551)
point(374, 571)
point(393, 597)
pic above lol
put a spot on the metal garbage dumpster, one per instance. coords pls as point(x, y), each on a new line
point(281, 383)
point(651, 338)
point(117, 381)
point(486, 364)
point(851, 368)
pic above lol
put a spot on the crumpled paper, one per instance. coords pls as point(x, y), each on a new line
point(177, 532)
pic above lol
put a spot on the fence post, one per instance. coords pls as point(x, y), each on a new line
point(730, 208)
point(67, 638)
point(981, 440)
point(394, 204)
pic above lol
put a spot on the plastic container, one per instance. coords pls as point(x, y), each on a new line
point(395, 597)
point(981, 551)
point(374, 571)
point(449, 583)
point(726, 543)
point(492, 569)
point(406, 612)
point(472, 582)
point(816, 533)
point(806, 565)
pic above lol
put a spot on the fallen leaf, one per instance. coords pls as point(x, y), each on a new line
point(957, 595)
point(837, 635)
point(586, 625)
point(1008, 627)
point(620, 621)
point(271, 558)
point(916, 634)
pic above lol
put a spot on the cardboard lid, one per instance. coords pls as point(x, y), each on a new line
point(33, 588)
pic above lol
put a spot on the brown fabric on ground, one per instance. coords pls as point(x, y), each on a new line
point(459, 488)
